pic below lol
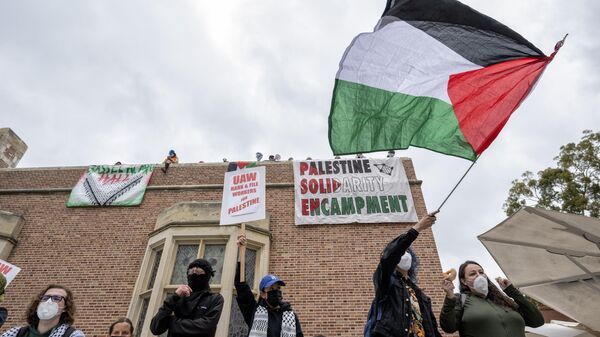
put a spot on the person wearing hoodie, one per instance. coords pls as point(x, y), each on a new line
point(270, 316)
point(193, 310)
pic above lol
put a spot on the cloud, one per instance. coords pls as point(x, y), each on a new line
point(98, 82)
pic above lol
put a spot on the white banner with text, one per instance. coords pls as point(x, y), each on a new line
point(243, 196)
point(352, 190)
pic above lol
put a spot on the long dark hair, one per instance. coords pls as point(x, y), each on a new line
point(67, 317)
point(494, 294)
point(414, 266)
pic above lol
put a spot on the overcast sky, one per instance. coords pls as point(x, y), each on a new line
point(95, 82)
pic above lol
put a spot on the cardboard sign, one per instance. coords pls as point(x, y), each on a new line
point(243, 196)
point(9, 271)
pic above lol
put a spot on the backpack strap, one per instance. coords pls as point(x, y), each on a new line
point(69, 331)
point(463, 298)
point(22, 331)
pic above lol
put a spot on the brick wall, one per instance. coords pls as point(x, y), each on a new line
point(97, 252)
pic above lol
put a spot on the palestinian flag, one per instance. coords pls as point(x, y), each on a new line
point(434, 74)
point(239, 165)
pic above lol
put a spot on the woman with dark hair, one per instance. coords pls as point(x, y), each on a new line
point(50, 314)
point(482, 310)
point(400, 308)
point(122, 327)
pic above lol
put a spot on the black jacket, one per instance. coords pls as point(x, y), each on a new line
point(247, 304)
point(196, 315)
point(392, 295)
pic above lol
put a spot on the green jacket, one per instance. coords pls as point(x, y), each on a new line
point(479, 317)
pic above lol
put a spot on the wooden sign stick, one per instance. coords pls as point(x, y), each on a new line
point(242, 256)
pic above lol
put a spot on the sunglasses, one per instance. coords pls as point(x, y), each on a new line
point(55, 298)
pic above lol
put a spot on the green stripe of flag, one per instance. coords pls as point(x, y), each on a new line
point(365, 119)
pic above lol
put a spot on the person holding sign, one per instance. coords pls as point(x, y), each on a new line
point(50, 314)
point(193, 310)
point(400, 308)
point(270, 316)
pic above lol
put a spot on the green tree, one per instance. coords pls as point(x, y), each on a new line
point(573, 186)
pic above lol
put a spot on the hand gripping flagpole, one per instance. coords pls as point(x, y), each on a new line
point(455, 186)
point(242, 255)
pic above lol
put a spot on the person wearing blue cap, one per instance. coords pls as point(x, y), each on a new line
point(171, 159)
point(270, 316)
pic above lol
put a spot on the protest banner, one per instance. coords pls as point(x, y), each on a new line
point(352, 190)
point(9, 271)
point(243, 196)
point(105, 185)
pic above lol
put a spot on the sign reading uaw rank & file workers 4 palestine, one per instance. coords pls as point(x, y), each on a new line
point(352, 190)
point(243, 196)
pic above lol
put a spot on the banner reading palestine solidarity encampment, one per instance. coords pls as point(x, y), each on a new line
point(104, 185)
point(352, 190)
point(434, 74)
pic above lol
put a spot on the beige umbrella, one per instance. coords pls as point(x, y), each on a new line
point(558, 329)
point(553, 257)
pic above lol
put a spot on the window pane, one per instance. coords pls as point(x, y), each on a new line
point(250, 266)
point(154, 270)
point(215, 255)
point(185, 255)
point(237, 325)
point(143, 311)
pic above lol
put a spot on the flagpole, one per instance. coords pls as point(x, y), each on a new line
point(455, 186)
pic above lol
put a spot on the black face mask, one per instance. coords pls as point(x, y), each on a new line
point(198, 282)
point(274, 298)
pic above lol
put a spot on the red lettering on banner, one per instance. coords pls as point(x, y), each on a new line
point(239, 179)
point(248, 191)
point(323, 185)
point(304, 206)
point(5, 269)
point(107, 179)
point(303, 187)
point(243, 205)
point(303, 168)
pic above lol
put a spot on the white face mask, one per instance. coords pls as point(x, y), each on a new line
point(480, 285)
point(405, 261)
point(47, 310)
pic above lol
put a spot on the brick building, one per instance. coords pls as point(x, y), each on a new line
point(122, 261)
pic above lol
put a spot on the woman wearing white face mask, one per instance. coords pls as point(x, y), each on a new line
point(50, 314)
point(400, 308)
point(482, 310)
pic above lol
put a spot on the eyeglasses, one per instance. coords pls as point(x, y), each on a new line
point(55, 298)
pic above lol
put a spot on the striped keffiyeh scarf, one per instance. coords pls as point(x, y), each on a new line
point(261, 323)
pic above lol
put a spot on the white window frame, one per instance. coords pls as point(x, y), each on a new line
point(168, 238)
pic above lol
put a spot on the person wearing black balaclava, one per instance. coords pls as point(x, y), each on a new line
point(193, 310)
point(270, 316)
